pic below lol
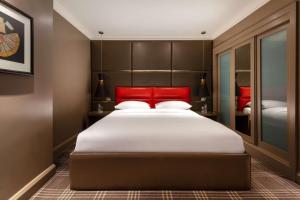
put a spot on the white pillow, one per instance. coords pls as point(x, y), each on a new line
point(272, 103)
point(173, 105)
point(132, 105)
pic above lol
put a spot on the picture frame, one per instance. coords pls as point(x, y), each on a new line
point(16, 40)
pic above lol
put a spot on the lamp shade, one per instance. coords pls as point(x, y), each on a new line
point(203, 90)
point(100, 90)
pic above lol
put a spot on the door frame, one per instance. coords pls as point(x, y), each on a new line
point(231, 125)
point(287, 158)
point(253, 137)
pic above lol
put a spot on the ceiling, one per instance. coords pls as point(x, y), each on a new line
point(155, 19)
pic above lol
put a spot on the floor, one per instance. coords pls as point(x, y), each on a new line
point(265, 185)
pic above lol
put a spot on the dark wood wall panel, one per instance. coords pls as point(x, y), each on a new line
point(112, 79)
point(191, 79)
point(188, 78)
point(151, 55)
point(243, 79)
point(242, 58)
point(187, 55)
point(151, 78)
point(152, 63)
point(116, 55)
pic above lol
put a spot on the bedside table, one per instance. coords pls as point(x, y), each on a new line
point(210, 115)
point(94, 116)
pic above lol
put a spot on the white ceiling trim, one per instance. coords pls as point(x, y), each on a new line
point(70, 18)
point(151, 38)
point(242, 14)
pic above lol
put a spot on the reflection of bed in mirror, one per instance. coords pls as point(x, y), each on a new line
point(247, 110)
point(274, 123)
point(243, 119)
point(243, 72)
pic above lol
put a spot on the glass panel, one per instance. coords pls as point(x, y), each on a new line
point(243, 89)
point(225, 89)
point(274, 126)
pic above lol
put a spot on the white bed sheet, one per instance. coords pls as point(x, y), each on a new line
point(164, 130)
point(275, 114)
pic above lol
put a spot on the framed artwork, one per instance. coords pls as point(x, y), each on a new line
point(16, 40)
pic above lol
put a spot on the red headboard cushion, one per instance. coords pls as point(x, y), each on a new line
point(133, 93)
point(244, 98)
point(245, 91)
point(152, 95)
point(171, 93)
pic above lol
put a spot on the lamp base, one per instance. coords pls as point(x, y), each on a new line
point(203, 105)
point(99, 108)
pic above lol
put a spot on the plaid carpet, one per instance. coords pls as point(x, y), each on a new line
point(265, 185)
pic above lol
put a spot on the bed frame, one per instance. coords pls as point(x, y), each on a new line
point(151, 171)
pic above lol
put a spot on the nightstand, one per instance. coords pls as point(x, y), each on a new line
point(94, 116)
point(210, 115)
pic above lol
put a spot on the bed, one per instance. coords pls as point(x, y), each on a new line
point(158, 149)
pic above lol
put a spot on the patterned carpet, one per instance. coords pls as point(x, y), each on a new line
point(265, 185)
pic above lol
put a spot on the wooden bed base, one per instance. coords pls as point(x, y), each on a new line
point(157, 171)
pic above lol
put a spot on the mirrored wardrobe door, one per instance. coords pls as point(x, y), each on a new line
point(224, 88)
point(243, 89)
point(273, 87)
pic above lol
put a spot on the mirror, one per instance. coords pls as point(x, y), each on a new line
point(274, 87)
point(224, 84)
point(243, 89)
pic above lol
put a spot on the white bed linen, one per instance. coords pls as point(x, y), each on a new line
point(275, 114)
point(247, 110)
point(164, 130)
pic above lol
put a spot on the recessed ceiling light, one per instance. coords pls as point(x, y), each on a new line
point(203, 32)
point(100, 32)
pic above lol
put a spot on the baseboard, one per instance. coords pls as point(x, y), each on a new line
point(35, 184)
point(270, 160)
point(62, 147)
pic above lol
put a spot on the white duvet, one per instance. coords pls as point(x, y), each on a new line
point(158, 131)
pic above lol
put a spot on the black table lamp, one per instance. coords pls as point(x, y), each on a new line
point(203, 93)
point(100, 90)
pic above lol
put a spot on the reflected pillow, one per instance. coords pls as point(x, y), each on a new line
point(272, 103)
point(132, 105)
point(247, 110)
point(173, 105)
